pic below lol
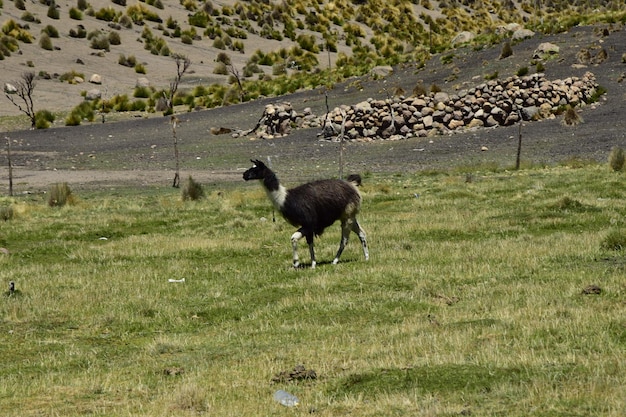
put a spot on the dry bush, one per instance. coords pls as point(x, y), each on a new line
point(60, 195)
point(616, 159)
point(192, 190)
point(571, 117)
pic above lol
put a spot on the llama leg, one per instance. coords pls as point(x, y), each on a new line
point(309, 240)
point(346, 226)
point(356, 228)
point(294, 244)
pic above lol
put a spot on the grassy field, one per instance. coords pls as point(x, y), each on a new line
point(473, 301)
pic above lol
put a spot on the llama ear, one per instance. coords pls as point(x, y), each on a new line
point(258, 163)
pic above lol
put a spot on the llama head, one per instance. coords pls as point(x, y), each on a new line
point(257, 172)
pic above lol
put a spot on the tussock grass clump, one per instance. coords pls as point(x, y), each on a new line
point(6, 213)
point(45, 42)
point(43, 119)
point(571, 117)
point(192, 190)
point(60, 195)
point(616, 159)
point(614, 240)
point(190, 398)
point(84, 111)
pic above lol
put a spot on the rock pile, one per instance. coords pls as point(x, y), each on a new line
point(493, 103)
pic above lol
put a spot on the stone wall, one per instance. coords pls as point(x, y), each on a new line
point(493, 103)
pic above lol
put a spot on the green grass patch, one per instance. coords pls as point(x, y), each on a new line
point(472, 301)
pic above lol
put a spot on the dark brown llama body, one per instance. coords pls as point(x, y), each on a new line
point(313, 207)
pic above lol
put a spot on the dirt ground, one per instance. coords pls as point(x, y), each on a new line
point(139, 151)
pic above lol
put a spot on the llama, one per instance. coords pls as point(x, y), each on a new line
point(313, 207)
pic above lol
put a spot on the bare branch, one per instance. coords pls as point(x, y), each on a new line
point(182, 65)
point(24, 90)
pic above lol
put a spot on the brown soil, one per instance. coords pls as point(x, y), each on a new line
point(139, 152)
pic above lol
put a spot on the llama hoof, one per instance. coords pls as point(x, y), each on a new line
point(296, 264)
point(335, 261)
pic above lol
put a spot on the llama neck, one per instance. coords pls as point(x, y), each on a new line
point(275, 190)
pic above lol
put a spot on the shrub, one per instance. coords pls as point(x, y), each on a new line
point(76, 14)
point(6, 213)
point(223, 58)
point(60, 195)
point(571, 117)
point(84, 111)
point(82, 4)
point(129, 61)
point(192, 190)
point(140, 69)
point(29, 17)
point(419, 90)
point(522, 71)
point(126, 22)
point(106, 13)
point(45, 42)
point(43, 119)
point(50, 31)
point(100, 42)
point(53, 12)
point(614, 240)
point(616, 159)
point(19, 4)
point(70, 76)
point(79, 32)
point(73, 119)
point(114, 38)
point(219, 43)
point(142, 92)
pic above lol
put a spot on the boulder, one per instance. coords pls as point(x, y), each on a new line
point(10, 89)
point(142, 82)
point(546, 48)
point(93, 94)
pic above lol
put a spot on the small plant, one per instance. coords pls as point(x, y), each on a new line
point(571, 117)
point(142, 92)
point(419, 90)
point(76, 14)
point(614, 240)
point(114, 38)
point(45, 42)
point(6, 213)
point(140, 68)
point(53, 12)
point(492, 76)
point(43, 119)
point(78, 32)
point(192, 190)
point(616, 159)
point(523, 71)
point(127, 61)
point(50, 31)
point(60, 195)
point(84, 111)
point(100, 42)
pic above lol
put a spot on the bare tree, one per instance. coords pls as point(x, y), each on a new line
point(23, 88)
point(182, 65)
point(235, 74)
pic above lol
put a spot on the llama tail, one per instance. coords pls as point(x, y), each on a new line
point(354, 179)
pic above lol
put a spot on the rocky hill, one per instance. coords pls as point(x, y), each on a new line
point(122, 52)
